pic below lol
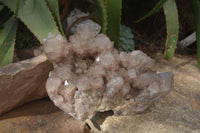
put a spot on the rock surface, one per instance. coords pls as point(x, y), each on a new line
point(40, 117)
point(90, 76)
point(23, 82)
point(178, 112)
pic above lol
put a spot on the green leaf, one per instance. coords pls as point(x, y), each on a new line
point(7, 41)
point(36, 16)
point(54, 8)
point(172, 23)
point(110, 11)
point(158, 6)
point(5, 14)
point(102, 12)
point(113, 8)
point(126, 39)
point(17, 8)
point(1, 7)
point(195, 5)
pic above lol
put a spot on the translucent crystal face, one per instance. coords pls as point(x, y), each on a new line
point(90, 75)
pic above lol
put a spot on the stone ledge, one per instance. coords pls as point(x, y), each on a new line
point(23, 82)
point(178, 112)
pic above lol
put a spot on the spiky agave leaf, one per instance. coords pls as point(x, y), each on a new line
point(7, 40)
point(113, 8)
point(35, 15)
point(172, 23)
point(54, 8)
point(100, 4)
point(158, 6)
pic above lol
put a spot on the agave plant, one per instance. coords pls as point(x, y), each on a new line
point(35, 14)
point(172, 22)
point(109, 15)
point(42, 17)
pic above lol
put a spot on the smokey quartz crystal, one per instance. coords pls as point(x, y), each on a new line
point(91, 76)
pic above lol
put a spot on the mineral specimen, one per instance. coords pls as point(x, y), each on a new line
point(91, 76)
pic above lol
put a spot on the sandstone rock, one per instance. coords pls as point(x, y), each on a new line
point(40, 116)
point(23, 82)
point(178, 112)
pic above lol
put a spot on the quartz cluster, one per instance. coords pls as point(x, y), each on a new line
point(91, 76)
